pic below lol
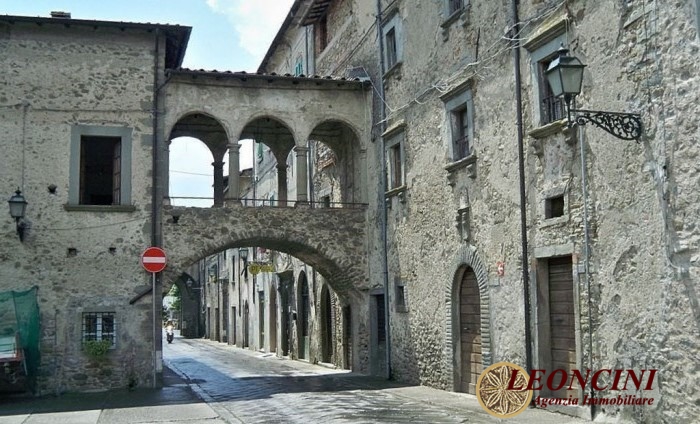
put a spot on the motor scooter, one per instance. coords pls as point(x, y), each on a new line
point(169, 334)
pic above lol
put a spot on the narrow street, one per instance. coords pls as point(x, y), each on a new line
point(251, 387)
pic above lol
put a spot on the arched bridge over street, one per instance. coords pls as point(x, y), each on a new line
point(332, 240)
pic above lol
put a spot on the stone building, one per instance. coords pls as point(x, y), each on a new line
point(76, 113)
point(489, 229)
point(506, 235)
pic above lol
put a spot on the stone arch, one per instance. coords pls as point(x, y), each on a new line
point(341, 146)
point(466, 257)
point(192, 112)
point(303, 316)
point(245, 132)
point(326, 324)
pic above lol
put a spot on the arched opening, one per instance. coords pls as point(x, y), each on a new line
point(273, 319)
point(303, 316)
point(246, 326)
point(272, 143)
point(337, 173)
point(326, 325)
point(467, 322)
point(197, 179)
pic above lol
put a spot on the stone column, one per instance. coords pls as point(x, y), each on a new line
point(282, 183)
point(302, 174)
point(218, 182)
point(234, 187)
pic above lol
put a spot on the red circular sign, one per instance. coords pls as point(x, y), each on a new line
point(153, 259)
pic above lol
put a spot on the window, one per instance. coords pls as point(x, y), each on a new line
point(554, 207)
point(321, 32)
point(99, 326)
point(392, 42)
point(298, 68)
point(454, 6)
point(400, 295)
point(100, 166)
point(549, 108)
point(395, 160)
point(460, 114)
point(391, 57)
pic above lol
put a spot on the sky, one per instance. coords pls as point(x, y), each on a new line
point(228, 35)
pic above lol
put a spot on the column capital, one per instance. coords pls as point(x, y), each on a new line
point(233, 145)
point(218, 164)
point(301, 149)
point(281, 166)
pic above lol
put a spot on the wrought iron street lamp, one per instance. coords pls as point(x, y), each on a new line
point(243, 254)
point(565, 75)
point(17, 208)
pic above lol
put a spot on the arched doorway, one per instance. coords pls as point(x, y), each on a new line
point(303, 316)
point(273, 318)
point(326, 326)
point(246, 327)
point(468, 323)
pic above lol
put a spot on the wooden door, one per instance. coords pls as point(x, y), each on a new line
point(561, 318)
point(470, 332)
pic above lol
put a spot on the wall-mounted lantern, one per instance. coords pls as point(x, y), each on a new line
point(18, 205)
point(565, 76)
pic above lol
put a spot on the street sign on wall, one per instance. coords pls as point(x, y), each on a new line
point(153, 259)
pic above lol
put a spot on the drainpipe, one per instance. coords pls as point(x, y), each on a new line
point(523, 197)
point(382, 199)
point(155, 205)
point(586, 256)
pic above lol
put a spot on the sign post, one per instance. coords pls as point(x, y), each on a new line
point(153, 260)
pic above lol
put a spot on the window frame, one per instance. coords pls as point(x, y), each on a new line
point(538, 56)
point(77, 134)
point(392, 25)
point(98, 334)
point(449, 11)
point(394, 144)
point(455, 106)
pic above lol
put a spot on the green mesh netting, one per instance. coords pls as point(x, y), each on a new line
point(19, 324)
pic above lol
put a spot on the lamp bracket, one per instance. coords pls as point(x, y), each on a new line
point(625, 126)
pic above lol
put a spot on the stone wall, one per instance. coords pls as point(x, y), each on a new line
point(642, 197)
point(57, 77)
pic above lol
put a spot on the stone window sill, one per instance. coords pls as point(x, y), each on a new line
point(99, 208)
point(395, 70)
point(398, 192)
point(460, 16)
point(549, 129)
point(469, 163)
point(553, 222)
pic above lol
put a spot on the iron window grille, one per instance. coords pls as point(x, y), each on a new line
point(552, 108)
point(99, 326)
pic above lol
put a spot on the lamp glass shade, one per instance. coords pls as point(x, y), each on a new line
point(17, 205)
point(565, 75)
point(243, 253)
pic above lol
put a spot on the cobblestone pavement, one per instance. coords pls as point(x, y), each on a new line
point(251, 387)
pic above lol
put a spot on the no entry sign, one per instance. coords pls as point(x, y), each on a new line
point(153, 259)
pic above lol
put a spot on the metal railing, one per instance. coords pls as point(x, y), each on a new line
point(276, 203)
point(462, 148)
point(553, 109)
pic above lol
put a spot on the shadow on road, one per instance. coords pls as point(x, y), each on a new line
point(174, 391)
